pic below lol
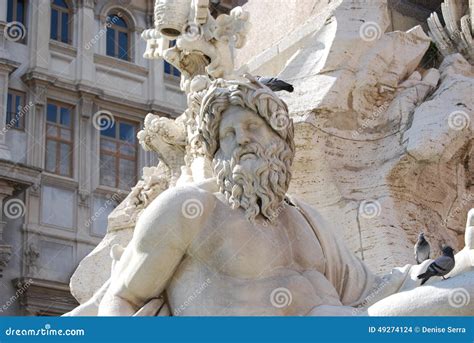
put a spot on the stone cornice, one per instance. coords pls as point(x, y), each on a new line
point(44, 297)
point(8, 65)
point(48, 80)
point(18, 174)
point(62, 48)
point(120, 65)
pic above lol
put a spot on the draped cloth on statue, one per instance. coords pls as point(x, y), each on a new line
point(350, 277)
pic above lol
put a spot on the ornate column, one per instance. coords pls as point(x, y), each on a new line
point(5, 250)
point(86, 110)
point(87, 41)
point(38, 35)
point(36, 122)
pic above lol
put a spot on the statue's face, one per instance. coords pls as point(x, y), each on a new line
point(240, 127)
point(252, 163)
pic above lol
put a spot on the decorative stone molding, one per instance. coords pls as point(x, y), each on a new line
point(31, 259)
point(5, 255)
point(62, 48)
point(204, 45)
point(109, 6)
point(35, 189)
point(84, 197)
point(136, 71)
point(52, 82)
point(86, 105)
point(8, 65)
point(44, 298)
point(87, 3)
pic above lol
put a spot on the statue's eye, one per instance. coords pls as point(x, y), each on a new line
point(254, 126)
point(228, 134)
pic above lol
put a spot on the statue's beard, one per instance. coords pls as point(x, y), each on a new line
point(257, 184)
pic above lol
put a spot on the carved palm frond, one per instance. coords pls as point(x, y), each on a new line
point(456, 36)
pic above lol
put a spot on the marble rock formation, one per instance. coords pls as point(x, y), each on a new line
point(384, 143)
point(456, 36)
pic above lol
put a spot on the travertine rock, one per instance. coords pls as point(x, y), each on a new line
point(369, 145)
point(456, 36)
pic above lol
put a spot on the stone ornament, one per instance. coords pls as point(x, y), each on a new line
point(457, 35)
point(204, 45)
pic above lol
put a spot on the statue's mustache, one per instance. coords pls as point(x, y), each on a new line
point(251, 148)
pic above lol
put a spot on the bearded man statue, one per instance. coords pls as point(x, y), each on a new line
point(236, 243)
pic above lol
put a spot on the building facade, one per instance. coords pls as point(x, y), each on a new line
point(74, 91)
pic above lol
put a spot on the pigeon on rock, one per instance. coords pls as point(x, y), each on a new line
point(422, 249)
point(441, 266)
point(275, 84)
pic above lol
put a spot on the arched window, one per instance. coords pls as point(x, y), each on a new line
point(118, 37)
point(61, 21)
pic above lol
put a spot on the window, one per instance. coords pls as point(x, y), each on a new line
point(118, 155)
point(15, 110)
point(16, 12)
point(61, 21)
point(59, 138)
point(102, 207)
point(169, 68)
point(118, 37)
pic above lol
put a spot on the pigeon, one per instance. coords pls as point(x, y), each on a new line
point(275, 84)
point(422, 249)
point(441, 266)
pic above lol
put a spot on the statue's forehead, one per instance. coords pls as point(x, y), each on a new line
point(236, 114)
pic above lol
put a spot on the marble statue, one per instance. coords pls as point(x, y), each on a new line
point(213, 230)
point(240, 234)
point(457, 35)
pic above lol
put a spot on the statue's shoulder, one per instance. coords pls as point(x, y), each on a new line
point(202, 192)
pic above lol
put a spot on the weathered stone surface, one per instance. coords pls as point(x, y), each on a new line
point(367, 134)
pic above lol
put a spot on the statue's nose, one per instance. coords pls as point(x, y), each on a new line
point(242, 137)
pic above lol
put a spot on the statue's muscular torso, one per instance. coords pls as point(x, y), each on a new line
point(231, 266)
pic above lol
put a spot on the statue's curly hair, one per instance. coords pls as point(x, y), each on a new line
point(252, 95)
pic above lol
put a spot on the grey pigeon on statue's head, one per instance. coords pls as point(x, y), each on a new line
point(275, 84)
point(441, 266)
point(422, 249)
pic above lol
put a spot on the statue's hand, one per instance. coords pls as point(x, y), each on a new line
point(465, 258)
